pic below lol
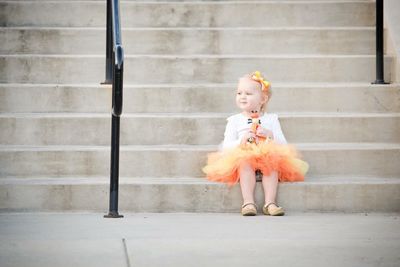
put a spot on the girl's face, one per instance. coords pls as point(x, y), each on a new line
point(248, 96)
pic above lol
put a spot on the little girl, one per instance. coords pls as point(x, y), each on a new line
point(254, 142)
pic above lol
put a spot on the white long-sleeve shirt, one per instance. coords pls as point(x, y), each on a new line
point(237, 125)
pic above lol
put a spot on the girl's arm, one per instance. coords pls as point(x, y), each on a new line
point(279, 137)
point(231, 138)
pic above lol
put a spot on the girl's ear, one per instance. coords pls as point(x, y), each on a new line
point(265, 99)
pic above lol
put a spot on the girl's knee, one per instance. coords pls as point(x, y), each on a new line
point(245, 166)
point(273, 174)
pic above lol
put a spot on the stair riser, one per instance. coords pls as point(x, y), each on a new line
point(32, 98)
point(156, 70)
point(190, 41)
point(273, 14)
point(298, 197)
point(187, 163)
point(191, 131)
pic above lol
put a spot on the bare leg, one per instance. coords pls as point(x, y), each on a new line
point(247, 182)
point(270, 185)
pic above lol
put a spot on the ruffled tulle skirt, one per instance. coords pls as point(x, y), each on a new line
point(223, 166)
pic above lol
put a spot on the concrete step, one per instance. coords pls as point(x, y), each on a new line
point(378, 159)
point(38, 129)
point(148, 194)
point(190, 14)
point(191, 98)
point(282, 40)
point(157, 69)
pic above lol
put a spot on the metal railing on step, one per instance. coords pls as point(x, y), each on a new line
point(114, 76)
point(379, 44)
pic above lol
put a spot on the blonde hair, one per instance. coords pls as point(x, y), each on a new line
point(265, 93)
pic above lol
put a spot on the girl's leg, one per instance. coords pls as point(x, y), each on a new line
point(270, 185)
point(247, 182)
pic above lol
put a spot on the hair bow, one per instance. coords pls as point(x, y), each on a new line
point(264, 83)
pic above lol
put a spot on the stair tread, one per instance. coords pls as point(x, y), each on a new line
point(190, 180)
point(194, 114)
point(197, 56)
point(302, 146)
point(197, 85)
point(280, 28)
point(219, 2)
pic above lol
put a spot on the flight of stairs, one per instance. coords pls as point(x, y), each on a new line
point(182, 62)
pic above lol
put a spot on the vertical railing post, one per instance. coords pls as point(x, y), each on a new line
point(379, 44)
point(117, 68)
point(114, 169)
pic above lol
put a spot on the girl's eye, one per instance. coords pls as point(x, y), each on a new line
point(239, 93)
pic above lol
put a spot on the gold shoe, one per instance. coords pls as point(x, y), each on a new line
point(249, 209)
point(278, 211)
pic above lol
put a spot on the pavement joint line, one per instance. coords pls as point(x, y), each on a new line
point(126, 252)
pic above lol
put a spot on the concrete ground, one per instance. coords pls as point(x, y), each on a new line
point(189, 239)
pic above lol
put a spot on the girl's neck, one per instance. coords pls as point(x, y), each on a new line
point(248, 114)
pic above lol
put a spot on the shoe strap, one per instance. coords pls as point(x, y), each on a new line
point(249, 204)
point(270, 204)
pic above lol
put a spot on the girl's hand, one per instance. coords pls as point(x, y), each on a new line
point(265, 133)
point(248, 135)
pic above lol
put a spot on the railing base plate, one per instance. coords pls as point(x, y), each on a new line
point(380, 82)
point(113, 215)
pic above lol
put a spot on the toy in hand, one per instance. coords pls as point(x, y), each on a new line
point(255, 124)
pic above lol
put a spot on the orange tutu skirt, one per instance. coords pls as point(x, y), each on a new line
point(222, 166)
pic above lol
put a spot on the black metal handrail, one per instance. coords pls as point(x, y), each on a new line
point(114, 76)
point(379, 44)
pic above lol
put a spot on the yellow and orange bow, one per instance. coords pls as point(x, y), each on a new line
point(264, 83)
